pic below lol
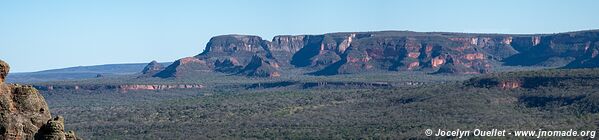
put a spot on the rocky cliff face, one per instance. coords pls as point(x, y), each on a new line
point(346, 53)
point(558, 50)
point(24, 112)
point(463, 55)
point(234, 54)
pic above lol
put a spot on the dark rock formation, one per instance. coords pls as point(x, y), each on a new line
point(23, 112)
point(321, 50)
point(228, 65)
point(589, 59)
point(261, 67)
point(346, 53)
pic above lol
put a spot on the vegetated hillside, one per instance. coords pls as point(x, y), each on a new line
point(358, 52)
point(74, 73)
point(538, 78)
point(217, 82)
point(334, 113)
point(573, 89)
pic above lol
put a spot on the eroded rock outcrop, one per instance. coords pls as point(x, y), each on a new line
point(356, 52)
point(24, 112)
point(4, 69)
point(54, 130)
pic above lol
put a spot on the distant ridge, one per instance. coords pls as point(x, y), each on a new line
point(79, 72)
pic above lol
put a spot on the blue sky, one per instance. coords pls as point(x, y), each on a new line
point(42, 34)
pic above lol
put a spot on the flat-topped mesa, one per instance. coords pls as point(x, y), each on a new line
point(235, 44)
point(282, 48)
point(356, 52)
point(226, 53)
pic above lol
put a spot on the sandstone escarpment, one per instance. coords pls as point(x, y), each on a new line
point(453, 66)
point(322, 50)
point(589, 59)
point(557, 50)
point(357, 52)
point(24, 112)
point(414, 53)
point(232, 54)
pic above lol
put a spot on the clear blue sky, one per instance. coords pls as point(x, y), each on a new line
point(46, 34)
